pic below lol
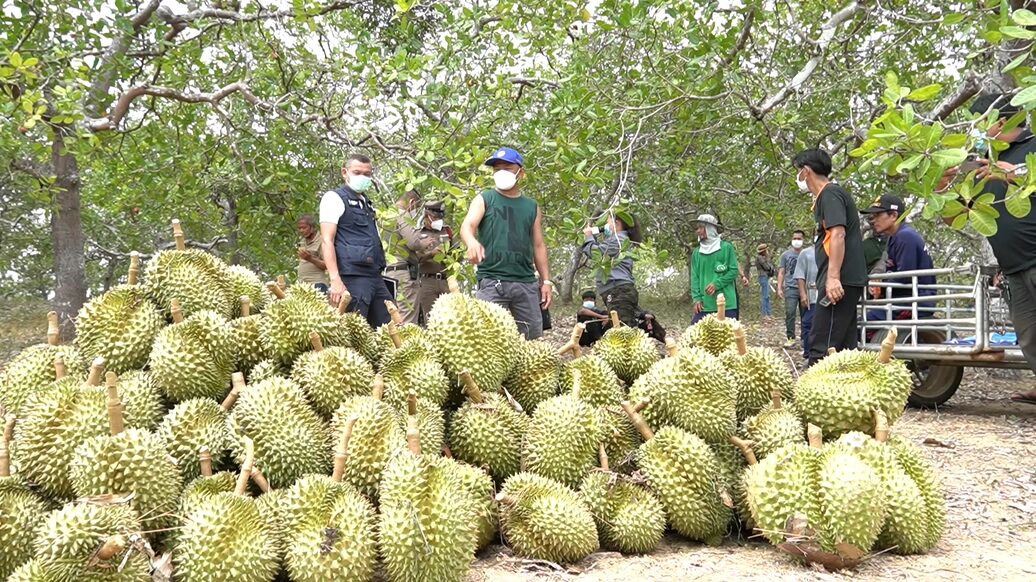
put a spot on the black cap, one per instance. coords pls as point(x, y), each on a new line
point(435, 207)
point(589, 294)
point(885, 203)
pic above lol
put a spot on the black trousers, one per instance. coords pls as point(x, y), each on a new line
point(623, 299)
point(835, 326)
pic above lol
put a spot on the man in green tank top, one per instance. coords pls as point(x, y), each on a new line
point(504, 235)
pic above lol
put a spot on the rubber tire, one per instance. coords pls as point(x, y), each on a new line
point(937, 383)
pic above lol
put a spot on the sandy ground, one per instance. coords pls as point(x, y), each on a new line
point(984, 446)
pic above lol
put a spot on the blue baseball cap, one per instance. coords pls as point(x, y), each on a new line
point(506, 155)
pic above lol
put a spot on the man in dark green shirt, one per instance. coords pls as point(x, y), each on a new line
point(841, 269)
point(504, 235)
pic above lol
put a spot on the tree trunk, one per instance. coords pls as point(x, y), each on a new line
point(66, 227)
point(568, 278)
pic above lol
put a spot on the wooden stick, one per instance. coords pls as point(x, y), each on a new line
point(816, 436)
point(9, 427)
point(205, 461)
point(378, 387)
point(53, 331)
point(721, 307)
point(413, 433)
point(246, 305)
point(393, 333)
point(887, 346)
point(343, 303)
point(96, 371)
point(275, 289)
point(638, 421)
point(775, 399)
point(282, 282)
point(181, 243)
point(176, 311)
point(59, 367)
point(259, 479)
point(246, 468)
point(237, 385)
point(115, 420)
point(394, 313)
point(470, 388)
point(342, 450)
point(314, 340)
point(615, 319)
point(452, 285)
point(881, 426)
point(739, 337)
point(671, 348)
point(602, 456)
point(134, 270)
point(642, 405)
point(746, 449)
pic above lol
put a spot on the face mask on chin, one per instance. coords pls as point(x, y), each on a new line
point(504, 179)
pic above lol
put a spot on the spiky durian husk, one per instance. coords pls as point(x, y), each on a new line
point(598, 386)
point(620, 438)
point(474, 336)
point(142, 403)
point(272, 511)
point(929, 485)
point(711, 334)
point(431, 423)
point(32, 571)
point(330, 376)
point(248, 342)
point(202, 487)
point(756, 375)
point(224, 539)
point(194, 358)
point(383, 345)
point(628, 351)
point(561, 441)
point(32, 370)
point(360, 336)
point(265, 370)
point(287, 323)
point(780, 487)
point(489, 434)
point(413, 368)
point(479, 484)
point(291, 440)
point(68, 540)
point(244, 281)
point(772, 428)
point(629, 518)
point(850, 499)
point(375, 437)
point(21, 511)
point(198, 280)
point(120, 326)
point(536, 375)
point(190, 425)
point(545, 520)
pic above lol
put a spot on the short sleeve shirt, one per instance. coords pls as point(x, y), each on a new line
point(788, 260)
point(806, 269)
point(835, 207)
point(331, 207)
point(307, 271)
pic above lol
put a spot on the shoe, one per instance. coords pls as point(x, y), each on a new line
point(790, 343)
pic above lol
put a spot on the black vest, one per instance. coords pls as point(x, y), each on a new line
point(357, 244)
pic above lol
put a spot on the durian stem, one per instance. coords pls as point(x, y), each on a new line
point(205, 461)
point(397, 317)
point(815, 435)
point(393, 332)
point(577, 381)
point(746, 449)
point(378, 387)
point(175, 311)
point(113, 546)
point(721, 307)
point(832, 351)
point(413, 432)
point(775, 399)
point(314, 340)
point(452, 285)
point(282, 282)
point(96, 371)
point(505, 499)
point(739, 337)
point(260, 480)
point(573, 342)
point(246, 305)
point(134, 270)
point(237, 385)
point(5, 458)
point(343, 303)
point(59, 367)
point(615, 319)
point(246, 468)
point(9, 427)
point(181, 243)
point(602, 456)
point(275, 289)
point(471, 389)
point(671, 348)
point(342, 450)
point(638, 421)
point(115, 420)
point(446, 452)
point(53, 332)
point(887, 346)
point(642, 405)
point(881, 426)
point(510, 400)
point(411, 404)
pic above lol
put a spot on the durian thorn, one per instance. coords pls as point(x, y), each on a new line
point(205, 461)
point(111, 547)
point(671, 349)
point(577, 381)
point(53, 331)
point(452, 285)
point(134, 269)
point(411, 404)
point(815, 435)
point(881, 425)
point(642, 405)
point(378, 387)
point(342, 450)
point(115, 420)
point(96, 371)
point(246, 305)
point(471, 389)
point(59, 367)
point(721, 307)
point(638, 421)
point(446, 452)
point(314, 340)
point(746, 449)
point(394, 313)
point(246, 468)
point(260, 480)
point(775, 399)
point(275, 289)
point(739, 337)
point(602, 456)
point(343, 303)
point(176, 311)
point(181, 243)
point(393, 332)
point(282, 282)
point(237, 385)
point(615, 319)
point(887, 346)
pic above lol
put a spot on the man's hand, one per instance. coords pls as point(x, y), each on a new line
point(804, 302)
point(744, 280)
point(710, 289)
point(698, 307)
point(834, 289)
point(304, 254)
point(546, 295)
point(780, 291)
point(337, 289)
point(986, 171)
point(476, 253)
point(947, 178)
point(875, 292)
point(588, 231)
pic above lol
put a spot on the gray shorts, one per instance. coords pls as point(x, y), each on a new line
point(521, 299)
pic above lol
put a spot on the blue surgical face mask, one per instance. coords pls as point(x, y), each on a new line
point(607, 229)
point(589, 304)
point(981, 141)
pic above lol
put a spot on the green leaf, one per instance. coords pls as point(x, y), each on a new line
point(949, 157)
point(1024, 17)
point(1017, 61)
point(955, 140)
point(1028, 94)
point(30, 62)
point(983, 221)
point(15, 59)
point(959, 222)
point(1019, 205)
point(951, 19)
point(953, 208)
point(910, 163)
point(924, 93)
point(1017, 32)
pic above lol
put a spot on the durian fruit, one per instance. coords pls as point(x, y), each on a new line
point(474, 336)
point(692, 391)
point(619, 437)
point(930, 486)
point(32, 370)
point(128, 462)
point(92, 539)
point(562, 437)
point(629, 518)
point(21, 511)
point(224, 538)
point(780, 488)
point(428, 524)
point(731, 462)
point(391, 336)
point(543, 519)
point(194, 357)
point(714, 333)
point(287, 323)
point(246, 330)
point(329, 525)
point(851, 501)
point(756, 372)
point(329, 376)
point(265, 370)
point(599, 386)
point(839, 393)
point(195, 278)
point(536, 375)
point(430, 420)
point(375, 438)
point(245, 283)
point(290, 438)
point(31, 571)
point(773, 427)
point(207, 483)
point(413, 368)
point(487, 431)
point(628, 350)
point(142, 401)
point(199, 423)
point(684, 473)
point(359, 334)
point(120, 326)
point(479, 485)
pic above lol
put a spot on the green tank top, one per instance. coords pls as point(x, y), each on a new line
point(506, 234)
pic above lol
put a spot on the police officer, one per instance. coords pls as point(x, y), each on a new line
point(352, 248)
point(402, 265)
point(424, 244)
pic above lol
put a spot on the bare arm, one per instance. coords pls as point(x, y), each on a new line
point(327, 248)
point(476, 211)
point(803, 291)
point(317, 261)
point(836, 253)
point(539, 258)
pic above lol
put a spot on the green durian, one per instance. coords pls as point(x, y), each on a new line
point(713, 333)
point(194, 357)
point(34, 369)
point(479, 485)
point(543, 519)
point(474, 336)
point(91, 540)
point(486, 431)
point(430, 420)
point(773, 427)
point(756, 372)
point(620, 438)
point(196, 279)
point(387, 336)
point(562, 437)
point(413, 368)
point(330, 375)
point(599, 386)
point(628, 351)
point(536, 375)
point(375, 438)
point(120, 326)
point(246, 330)
point(629, 517)
point(197, 423)
point(245, 283)
point(287, 324)
point(21, 510)
point(265, 370)
point(360, 336)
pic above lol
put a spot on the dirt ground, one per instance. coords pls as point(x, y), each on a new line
point(984, 445)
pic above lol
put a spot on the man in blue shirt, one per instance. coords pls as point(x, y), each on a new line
point(906, 250)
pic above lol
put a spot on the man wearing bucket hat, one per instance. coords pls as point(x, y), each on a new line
point(503, 232)
point(713, 270)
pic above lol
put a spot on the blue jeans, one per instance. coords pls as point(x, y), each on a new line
point(764, 289)
point(807, 324)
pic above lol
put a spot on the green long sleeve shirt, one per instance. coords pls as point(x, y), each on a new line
point(720, 269)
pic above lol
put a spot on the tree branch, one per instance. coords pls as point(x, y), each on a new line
point(742, 40)
point(532, 82)
point(125, 100)
point(95, 97)
point(38, 171)
point(968, 89)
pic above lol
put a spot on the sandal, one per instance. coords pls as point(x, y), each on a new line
point(1024, 397)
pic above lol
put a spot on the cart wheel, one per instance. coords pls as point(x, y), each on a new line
point(934, 383)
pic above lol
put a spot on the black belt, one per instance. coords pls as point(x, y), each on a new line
point(439, 276)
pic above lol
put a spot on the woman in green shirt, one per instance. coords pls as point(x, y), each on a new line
point(713, 270)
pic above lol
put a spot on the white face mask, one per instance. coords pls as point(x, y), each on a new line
point(360, 183)
point(796, 243)
point(437, 224)
point(504, 180)
point(589, 304)
point(801, 182)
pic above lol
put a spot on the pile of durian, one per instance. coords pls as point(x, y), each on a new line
point(207, 427)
